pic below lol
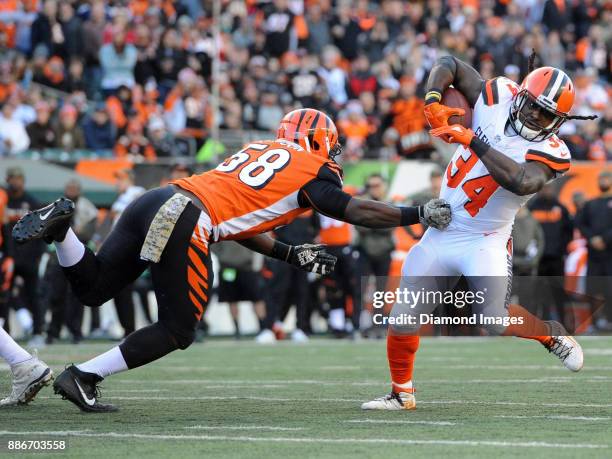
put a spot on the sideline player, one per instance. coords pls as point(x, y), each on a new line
point(30, 375)
point(263, 186)
point(510, 154)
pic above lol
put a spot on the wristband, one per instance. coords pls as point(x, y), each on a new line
point(433, 95)
point(410, 215)
point(281, 251)
point(479, 147)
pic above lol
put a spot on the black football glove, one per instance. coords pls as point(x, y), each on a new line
point(312, 258)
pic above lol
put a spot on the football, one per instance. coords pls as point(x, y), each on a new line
point(454, 98)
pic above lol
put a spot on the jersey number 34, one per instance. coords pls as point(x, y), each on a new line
point(478, 189)
point(258, 171)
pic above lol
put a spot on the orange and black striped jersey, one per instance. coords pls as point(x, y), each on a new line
point(266, 185)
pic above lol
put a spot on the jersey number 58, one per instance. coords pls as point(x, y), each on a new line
point(258, 171)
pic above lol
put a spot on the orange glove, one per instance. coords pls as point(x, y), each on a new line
point(454, 134)
point(437, 114)
point(7, 268)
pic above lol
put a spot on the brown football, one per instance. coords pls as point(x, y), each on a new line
point(453, 98)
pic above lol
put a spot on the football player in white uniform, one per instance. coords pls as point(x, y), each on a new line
point(509, 154)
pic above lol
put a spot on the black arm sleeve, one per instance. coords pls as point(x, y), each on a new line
point(324, 193)
point(325, 197)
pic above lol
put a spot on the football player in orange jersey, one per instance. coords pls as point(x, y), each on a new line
point(263, 186)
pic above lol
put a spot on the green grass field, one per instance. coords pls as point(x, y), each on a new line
point(476, 398)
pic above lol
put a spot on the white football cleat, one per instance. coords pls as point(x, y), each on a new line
point(29, 377)
point(567, 349)
point(266, 336)
point(392, 402)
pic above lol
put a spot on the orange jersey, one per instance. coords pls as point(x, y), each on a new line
point(256, 189)
point(334, 232)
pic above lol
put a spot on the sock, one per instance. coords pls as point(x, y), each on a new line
point(106, 364)
point(70, 250)
point(401, 351)
point(10, 351)
point(532, 327)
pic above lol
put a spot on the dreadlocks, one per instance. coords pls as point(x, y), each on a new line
point(531, 67)
point(531, 61)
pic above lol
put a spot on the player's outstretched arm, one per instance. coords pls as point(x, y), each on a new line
point(449, 70)
point(307, 257)
point(520, 179)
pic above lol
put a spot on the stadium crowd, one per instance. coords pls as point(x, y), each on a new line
point(132, 75)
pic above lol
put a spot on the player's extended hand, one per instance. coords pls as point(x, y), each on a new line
point(437, 114)
point(454, 133)
point(312, 258)
point(435, 213)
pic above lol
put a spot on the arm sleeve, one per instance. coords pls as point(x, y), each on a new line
point(325, 197)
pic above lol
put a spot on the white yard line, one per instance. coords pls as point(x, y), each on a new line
point(349, 441)
point(557, 417)
point(400, 421)
point(356, 400)
point(286, 382)
point(271, 428)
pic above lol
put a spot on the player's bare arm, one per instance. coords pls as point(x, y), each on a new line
point(328, 199)
point(449, 70)
point(307, 257)
point(519, 178)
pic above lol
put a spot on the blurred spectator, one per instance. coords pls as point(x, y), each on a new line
point(361, 79)
point(27, 256)
point(269, 113)
point(345, 30)
point(239, 280)
point(278, 26)
point(408, 122)
point(333, 76)
point(527, 243)
point(134, 144)
point(64, 305)
point(69, 135)
point(13, 135)
point(99, 130)
point(318, 29)
point(117, 60)
point(595, 224)
point(128, 192)
point(72, 31)
point(41, 133)
point(556, 224)
point(163, 143)
point(375, 244)
point(356, 129)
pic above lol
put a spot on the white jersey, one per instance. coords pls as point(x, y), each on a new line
point(478, 203)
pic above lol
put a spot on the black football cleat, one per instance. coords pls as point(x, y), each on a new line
point(49, 223)
point(81, 388)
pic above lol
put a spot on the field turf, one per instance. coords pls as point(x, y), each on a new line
point(476, 398)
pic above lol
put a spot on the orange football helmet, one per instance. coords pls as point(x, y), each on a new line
point(313, 130)
point(542, 104)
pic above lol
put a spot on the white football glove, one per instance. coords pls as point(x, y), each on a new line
point(435, 213)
